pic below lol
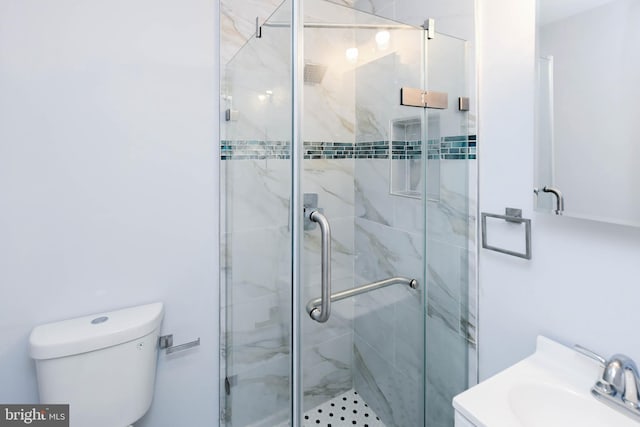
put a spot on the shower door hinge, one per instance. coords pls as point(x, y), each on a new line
point(258, 28)
point(463, 103)
point(230, 115)
point(230, 382)
point(310, 202)
point(424, 99)
point(430, 27)
point(225, 416)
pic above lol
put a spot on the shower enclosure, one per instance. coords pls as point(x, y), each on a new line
point(371, 200)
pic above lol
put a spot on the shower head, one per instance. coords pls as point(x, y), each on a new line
point(314, 73)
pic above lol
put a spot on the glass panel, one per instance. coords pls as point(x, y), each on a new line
point(544, 159)
point(448, 333)
point(256, 259)
point(371, 350)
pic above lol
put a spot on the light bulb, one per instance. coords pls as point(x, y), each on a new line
point(352, 54)
point(382, 39)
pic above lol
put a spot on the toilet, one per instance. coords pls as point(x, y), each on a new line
point(103, 366)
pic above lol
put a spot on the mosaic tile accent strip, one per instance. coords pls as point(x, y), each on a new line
point(458, 147)
point(328, 150)
point(347, 409)
point(257, 150)
point(407, 149)
point(446, 148)
point(372, 150)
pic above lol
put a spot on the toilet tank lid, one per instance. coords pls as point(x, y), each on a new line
point(89, 333)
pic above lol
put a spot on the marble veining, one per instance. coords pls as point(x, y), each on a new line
point(269, 381)
point(365, 381)
point(327, 370)
point(396, 397)
point(385, 251)
point(237, 21)
point(373, 201)
point(444, 283)
point(446, 371)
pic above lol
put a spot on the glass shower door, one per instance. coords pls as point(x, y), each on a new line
point(450, 330)
point(389, 180)
point(363, 160)
point(256, 256)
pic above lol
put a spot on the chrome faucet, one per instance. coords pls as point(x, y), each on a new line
point(618, 384)
point(559, 198)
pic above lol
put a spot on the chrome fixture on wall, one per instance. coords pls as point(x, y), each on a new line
point(314, 73)
point(413, 97)
point(511, 215)
point(312, 306)
point(165, 342)
point(313, 214)
point(559, 197)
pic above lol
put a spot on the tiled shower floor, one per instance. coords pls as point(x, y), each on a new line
point(347, 409)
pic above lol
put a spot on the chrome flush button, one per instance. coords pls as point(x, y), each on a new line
point(99, 320)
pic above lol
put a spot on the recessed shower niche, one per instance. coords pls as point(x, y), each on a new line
point(405, 163)
point(405, 145)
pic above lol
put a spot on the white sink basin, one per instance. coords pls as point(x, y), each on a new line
point(551, 388)
point(560, 408)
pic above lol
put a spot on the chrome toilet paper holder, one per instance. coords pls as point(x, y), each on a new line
point(165, 342)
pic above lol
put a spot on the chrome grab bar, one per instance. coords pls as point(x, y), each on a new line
point(312, 306)
point(322, 314)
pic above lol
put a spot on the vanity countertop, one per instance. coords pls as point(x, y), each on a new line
point(551, 388)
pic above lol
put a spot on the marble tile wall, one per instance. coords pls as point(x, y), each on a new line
point(448, 323)
point(256, 271)
point(390, 240)
point(238, 23)
point(256, 342)
point(256, 86)
point(327, 347)
point(375, 341)
point(389, 326)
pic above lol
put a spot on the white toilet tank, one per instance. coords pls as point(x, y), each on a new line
point(103, 365)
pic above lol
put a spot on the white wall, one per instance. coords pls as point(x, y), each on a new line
point(582, 284)
point(108, 181)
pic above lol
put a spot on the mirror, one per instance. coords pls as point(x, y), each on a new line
point(587, 112)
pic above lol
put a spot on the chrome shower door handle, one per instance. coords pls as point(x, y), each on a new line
point(321, 314)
